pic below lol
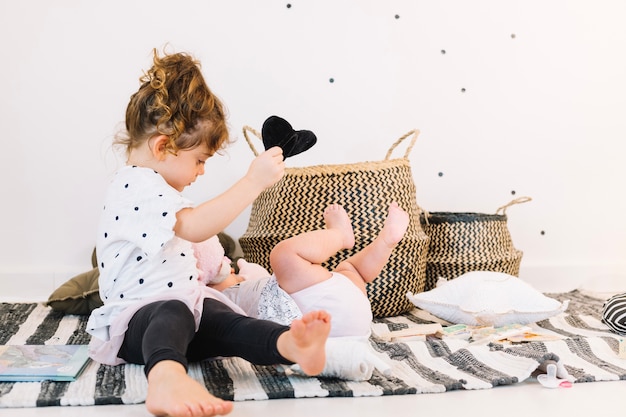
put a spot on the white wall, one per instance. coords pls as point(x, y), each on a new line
point(542, 115)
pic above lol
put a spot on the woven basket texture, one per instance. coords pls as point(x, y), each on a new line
point(296, 204)
point(464, 242)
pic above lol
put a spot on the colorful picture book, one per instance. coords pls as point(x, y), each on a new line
point(42, 362)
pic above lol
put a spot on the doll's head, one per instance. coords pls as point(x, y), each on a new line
point(213, 265)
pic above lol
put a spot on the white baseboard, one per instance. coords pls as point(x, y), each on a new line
point(565, 278)
point(28, 285)
point(33, 285)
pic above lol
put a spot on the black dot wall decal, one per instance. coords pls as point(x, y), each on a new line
point(512, 192)
point(543, 232)
point(331, 80)
point(513, 36)
point(289, 5)
point(462, 90)
point(443, 52)
point(440, 174)
point(397, 16)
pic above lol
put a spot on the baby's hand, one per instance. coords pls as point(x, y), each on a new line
point(268, 168)
point(250, 271)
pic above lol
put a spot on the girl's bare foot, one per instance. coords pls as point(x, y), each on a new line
point(395, 225)
point(171, 392)
point(305, 342)
point(336, 218)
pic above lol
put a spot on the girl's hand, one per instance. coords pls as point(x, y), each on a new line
point(231, 280)
point(199, 223)
point(267, 169)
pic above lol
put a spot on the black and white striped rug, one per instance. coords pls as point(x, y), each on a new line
point(589, 353)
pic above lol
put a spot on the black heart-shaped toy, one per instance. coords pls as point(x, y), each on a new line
point(276, 131)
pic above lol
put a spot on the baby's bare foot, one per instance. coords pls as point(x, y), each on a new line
point(305, 342)
point(395, 225)
point(336, 218)
point(171, 392)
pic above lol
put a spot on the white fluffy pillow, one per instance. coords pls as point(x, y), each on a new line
point(486, 298)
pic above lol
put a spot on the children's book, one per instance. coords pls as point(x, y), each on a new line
point(42, 362)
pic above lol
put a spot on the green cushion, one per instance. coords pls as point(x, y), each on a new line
point(78, 295)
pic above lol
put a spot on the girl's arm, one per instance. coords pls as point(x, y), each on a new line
point(211, 217)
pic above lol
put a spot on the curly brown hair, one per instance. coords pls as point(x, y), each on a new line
point(174, 100)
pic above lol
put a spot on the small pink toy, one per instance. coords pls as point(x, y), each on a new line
point(550, 380)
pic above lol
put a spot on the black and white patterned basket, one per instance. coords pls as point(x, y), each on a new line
point(296, 204)
point(464, 242)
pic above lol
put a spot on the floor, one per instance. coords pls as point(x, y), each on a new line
point(524, 399)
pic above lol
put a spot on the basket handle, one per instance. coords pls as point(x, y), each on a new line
point(516, 201)
point(413, 132)
point(247, 129)
point(421, 211)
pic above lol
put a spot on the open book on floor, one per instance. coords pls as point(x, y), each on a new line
point(42, 362)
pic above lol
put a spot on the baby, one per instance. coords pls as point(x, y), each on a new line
point(300, 284)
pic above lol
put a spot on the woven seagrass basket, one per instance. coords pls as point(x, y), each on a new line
point(296, 204)
point(464, 242)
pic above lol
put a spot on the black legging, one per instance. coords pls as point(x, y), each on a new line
point(165, 330)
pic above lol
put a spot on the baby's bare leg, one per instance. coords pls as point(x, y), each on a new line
point(305, 342)
point(296, 261)
point(172, 392)
point(367, 264)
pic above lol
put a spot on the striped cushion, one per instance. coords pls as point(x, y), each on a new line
point(614, 313)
